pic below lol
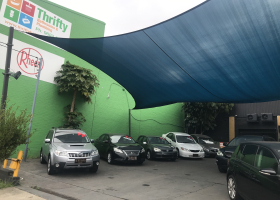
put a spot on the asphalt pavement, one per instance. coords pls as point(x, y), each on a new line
point(182, 179)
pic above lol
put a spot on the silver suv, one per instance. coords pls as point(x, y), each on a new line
point(68, 148)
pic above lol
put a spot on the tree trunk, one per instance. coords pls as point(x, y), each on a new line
point(73, 101)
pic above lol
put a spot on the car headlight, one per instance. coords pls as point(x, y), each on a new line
point(61, 153)
point(94, 153)
point(219, 153)
point(184, 149)
point(201, 150)
point(118, 150)
point(143, 150)
point(157, 150)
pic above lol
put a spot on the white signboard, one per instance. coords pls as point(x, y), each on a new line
point(26, 16)
point(24, 60)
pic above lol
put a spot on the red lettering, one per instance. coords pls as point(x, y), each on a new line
point(32, 63)
point(23, 59)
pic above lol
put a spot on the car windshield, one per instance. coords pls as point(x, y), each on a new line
point(120, 139)
point(185, 139)
point(157, 140)
point(205, 140)
point(66, 137)
point(236, 141)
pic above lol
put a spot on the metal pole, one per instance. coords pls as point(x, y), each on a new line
point(7, 68)
point(129, 123)
point(33, 107)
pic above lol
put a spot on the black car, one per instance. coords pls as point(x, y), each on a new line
point(122, 148)
point(254, 171)
point(225, 153)
point(157, 147)
point(209, 146)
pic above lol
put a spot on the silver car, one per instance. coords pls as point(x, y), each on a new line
point(68, 148)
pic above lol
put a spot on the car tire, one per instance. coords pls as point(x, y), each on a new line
point(222, 170)
point(109, 158)
point(232, 186)
point(178, 153)
point(50, 169)
point(93, 169)
point(149, 155)
point(42, 159)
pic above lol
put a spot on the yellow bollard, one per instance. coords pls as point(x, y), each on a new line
point(19, 158)
point(5, 163)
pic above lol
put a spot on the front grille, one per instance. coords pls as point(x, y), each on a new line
point(80, 155)
point(194, 150)
point(132, 152)
point(166, 150)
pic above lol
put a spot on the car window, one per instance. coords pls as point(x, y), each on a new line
point(120, 139)
point(50, 135)
point(185, 139)
point(269, 139)
point(145, 139)
point(195, 138)
point(66, 137)
point(170, 135)
point(236, 141)
point(205, 140)
point(248, 154)
point(140, 139)
point(266, 159)
point(101, 138)
point(157, 140)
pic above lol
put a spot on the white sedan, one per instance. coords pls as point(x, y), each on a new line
point(185, 144)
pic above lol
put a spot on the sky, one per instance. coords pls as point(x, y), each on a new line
point(124, 16)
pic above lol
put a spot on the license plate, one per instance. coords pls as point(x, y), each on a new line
point(195, 155)
point(132, 158)
point(80, 160)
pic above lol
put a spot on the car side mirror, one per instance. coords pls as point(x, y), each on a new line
point(105, 141)
point(144, 142)
point(268, 171)
point(225, 143)
point(47, 140)
point(91, 140)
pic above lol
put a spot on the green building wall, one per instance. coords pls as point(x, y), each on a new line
point(104, 115)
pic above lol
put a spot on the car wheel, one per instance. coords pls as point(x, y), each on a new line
point(50, 169)
point(93, 169)
point(222, 170)
point(42, 160)
point(149, 156)
point(231, 185)
point(109, 158)
point(178, 153)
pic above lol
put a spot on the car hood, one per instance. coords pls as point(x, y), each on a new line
point(162, 146)
point(211, 146)
point(74, 146)
point(128, 146)
point(190, 146)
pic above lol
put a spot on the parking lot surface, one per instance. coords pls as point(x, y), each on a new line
point(183, 179)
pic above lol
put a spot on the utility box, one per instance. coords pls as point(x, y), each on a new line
point(252, 117)
point(267, 117)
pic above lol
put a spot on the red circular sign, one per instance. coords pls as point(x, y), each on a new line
point(26, 60)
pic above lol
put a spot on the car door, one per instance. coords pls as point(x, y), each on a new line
point(265, 186)
point(44, 145)
point(243, 170)
point(98, 143)
point(106, 144)
point(48, 146)
point(145, 146)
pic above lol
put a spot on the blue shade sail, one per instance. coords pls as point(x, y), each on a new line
point(220, 51)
